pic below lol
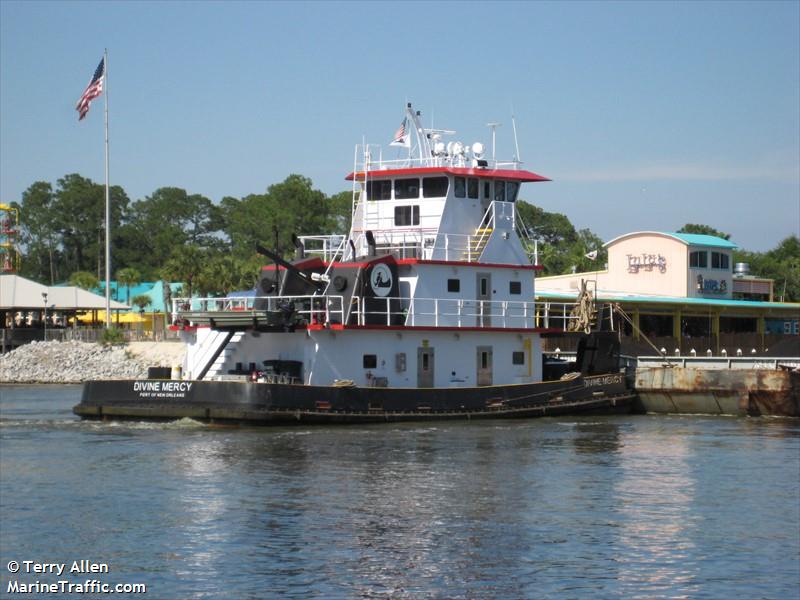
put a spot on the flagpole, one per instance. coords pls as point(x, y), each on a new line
point(108, 202)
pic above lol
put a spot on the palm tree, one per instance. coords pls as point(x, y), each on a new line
point(128, 277)
point(185, 264)
point(84, 280)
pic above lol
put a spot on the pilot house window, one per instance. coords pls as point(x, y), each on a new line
point(514, 287)
point(406, 215)
point(405, 189)
point(379, 189)
point(499, 191)
point(472, 188)
point(434, 187)
point(459, 187)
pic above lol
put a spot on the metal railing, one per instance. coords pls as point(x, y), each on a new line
point(314, 309)
point(412, 312)
point(369, 157)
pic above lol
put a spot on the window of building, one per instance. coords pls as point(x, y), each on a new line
point(512, 187)
point(515, 287)
point(472, 188)
point(405, 189)
point(370, 361)
point(499, 191)
point(406, 215)
point(379, 189)
point(459, 187)
point(518, 358)
point(434, 187)
point(698, 259)
point(453, 285)
point(720, 260)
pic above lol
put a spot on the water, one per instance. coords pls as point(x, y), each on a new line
point(631, 506)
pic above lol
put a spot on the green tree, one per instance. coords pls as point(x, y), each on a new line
point(128, 277)
point(185, 265)
point(141, 301)
point(85, 280)
point(704, 230)
point(289, 207)
point(38, 233)
point(165, 220)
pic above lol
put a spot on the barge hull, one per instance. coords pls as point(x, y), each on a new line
point(738, 392)
point(264, 403)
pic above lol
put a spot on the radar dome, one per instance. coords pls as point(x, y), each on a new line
point(477, 150)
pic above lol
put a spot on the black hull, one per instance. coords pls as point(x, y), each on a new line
point(264, 403)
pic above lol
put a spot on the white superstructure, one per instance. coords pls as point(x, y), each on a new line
point(433, 286)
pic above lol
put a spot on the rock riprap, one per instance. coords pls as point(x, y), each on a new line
point(70, 362)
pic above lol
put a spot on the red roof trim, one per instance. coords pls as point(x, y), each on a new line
point(457, 263)
point(338, 327)
point(512, 174)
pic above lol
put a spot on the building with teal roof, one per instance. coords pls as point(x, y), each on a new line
point(684, 290)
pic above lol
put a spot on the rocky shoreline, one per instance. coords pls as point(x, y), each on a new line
point(76, 362)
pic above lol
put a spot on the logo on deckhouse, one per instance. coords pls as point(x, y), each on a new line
point(381, 280)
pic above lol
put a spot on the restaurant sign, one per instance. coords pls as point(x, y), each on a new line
point(648, 262)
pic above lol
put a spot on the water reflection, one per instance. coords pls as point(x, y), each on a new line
point(655, 495)
point(550, 508)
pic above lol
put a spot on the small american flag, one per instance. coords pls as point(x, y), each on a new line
point(92, 91)
point(401, 137)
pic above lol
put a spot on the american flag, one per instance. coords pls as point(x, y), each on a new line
point(401, 137)
point(92, 91)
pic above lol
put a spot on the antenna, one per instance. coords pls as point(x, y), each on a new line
point(494, 127)
point(516, 144)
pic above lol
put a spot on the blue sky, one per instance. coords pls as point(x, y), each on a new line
point(646, 115)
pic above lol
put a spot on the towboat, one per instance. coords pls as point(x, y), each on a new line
point(425, 310)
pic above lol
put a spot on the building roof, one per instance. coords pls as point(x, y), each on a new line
point(19, 293)
point(711, 302)
point(690, 239)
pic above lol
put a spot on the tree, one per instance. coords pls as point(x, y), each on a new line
point(703, 230)
point(141, 301)
point(165, 220)
point(782, 264)
point(128, 277)
point(289, 207)
point(85, 280)
point(39, 235)
point(184, 265)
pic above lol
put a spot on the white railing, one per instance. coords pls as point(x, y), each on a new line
point(369, 157)
point(411, 312)
point(314, 309)
point(327, 247)
point(447, 312)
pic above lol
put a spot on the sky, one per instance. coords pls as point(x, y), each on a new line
point(645, 115)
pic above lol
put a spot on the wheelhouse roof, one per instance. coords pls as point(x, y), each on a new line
point(483, 173)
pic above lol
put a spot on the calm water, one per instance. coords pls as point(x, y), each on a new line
point(634, 507)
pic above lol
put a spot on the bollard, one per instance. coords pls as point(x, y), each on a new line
point(738, 352)
point(677, 351)
point(724, 353)
point(709, 354)
point(693, 352)
point(176, 372)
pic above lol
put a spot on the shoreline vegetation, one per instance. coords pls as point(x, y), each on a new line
point(180, 236)
point(76, 362)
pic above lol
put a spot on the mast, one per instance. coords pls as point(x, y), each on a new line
point(108, 203)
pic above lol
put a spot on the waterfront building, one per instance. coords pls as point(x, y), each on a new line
point(683, 291)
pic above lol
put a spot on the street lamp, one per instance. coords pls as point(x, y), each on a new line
point(44, 299)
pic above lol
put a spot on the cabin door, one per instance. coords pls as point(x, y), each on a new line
point(484, 295)
point(484, 371)
point(425, 367)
